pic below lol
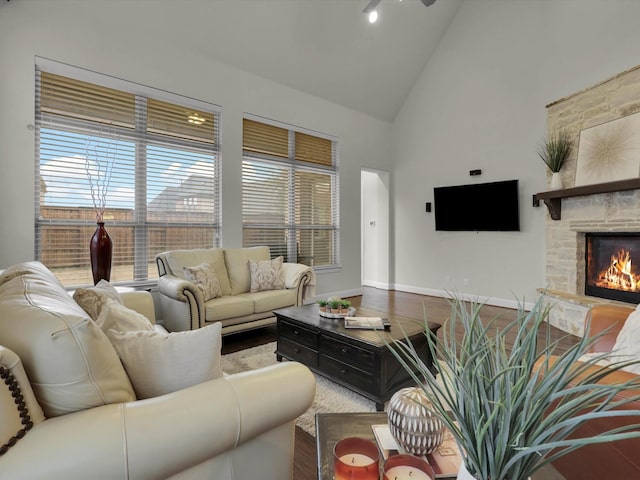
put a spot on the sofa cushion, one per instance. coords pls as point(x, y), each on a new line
point(11, 273)
point(266, 275)
point(160, 363)
point(70, 362)
point(93, 299)
point(229, 306)
point(204, 277)
point(271, 300)
point(237, 261)
point(118, 317)
point(178, 259)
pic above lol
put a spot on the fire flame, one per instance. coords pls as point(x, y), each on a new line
point(619, 275)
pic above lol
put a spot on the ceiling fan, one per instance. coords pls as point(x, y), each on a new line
point(372, 8)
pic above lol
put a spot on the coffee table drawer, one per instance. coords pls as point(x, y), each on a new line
point(346, 373)
point(358, 357)
point(297, 352)
point(298, 334)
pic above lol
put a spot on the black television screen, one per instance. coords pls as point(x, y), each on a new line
point(478, 207)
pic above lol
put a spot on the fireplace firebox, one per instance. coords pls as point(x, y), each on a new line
point(613, 266)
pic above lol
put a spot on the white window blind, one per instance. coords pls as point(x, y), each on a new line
point(290, 193)
point(153, 166)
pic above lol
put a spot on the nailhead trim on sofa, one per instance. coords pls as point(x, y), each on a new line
point(16, 393)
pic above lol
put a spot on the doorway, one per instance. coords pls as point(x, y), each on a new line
point(374, 229)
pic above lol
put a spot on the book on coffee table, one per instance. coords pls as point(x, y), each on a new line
point(367, 323)
point(445, 460)
point(386, 443)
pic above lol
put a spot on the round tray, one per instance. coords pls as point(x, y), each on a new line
point(350, 313)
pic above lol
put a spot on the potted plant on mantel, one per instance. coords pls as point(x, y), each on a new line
point(513, 412)
point(554, 152)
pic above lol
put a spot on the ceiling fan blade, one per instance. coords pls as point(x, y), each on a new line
point(371, 6)
point(428, 2)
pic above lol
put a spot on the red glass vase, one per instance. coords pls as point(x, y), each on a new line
point(100, 248)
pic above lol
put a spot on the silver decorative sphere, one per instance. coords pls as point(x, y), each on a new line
point(413, 423)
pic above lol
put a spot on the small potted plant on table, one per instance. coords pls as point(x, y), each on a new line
point(344, 306)
point(322, 305)
point(335, 304)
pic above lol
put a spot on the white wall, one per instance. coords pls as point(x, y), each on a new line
point(480, 103)
point(375, 228)
point(87, 35)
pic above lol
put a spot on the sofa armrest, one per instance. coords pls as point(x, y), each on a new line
point(160, 437)
point(609, 319)
point(182, 304)
point(300, 277)
point(214, 417)
point(140, 301)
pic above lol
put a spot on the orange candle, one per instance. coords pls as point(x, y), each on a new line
point(407, 467)
point(356, 459)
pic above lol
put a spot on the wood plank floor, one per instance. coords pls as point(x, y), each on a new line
point(392, 302)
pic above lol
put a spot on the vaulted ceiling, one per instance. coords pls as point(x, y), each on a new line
point(325, 48)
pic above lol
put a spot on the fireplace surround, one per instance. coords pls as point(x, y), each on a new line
point(577, 211)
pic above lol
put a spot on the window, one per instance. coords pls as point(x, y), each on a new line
point(151, 159)
point(290, 193)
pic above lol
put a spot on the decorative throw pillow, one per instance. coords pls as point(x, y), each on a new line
point(122, 319)
point(266, 275)
point(158, 363)
point(177, 259)
point(627, 346)
point(93, 299)
point(205, 279)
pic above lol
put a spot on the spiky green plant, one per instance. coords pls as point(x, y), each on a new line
point(334, 304)
point(511, 412)
point(555, 150)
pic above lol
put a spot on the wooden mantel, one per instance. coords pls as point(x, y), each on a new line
point(553, 198)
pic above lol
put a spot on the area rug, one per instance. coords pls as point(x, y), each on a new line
point(330, 397)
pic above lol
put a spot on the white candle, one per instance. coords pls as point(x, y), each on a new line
point(356, 460)
point(405, 472)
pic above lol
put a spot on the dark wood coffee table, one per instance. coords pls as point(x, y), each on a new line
point(357, 359)
point(333, 427)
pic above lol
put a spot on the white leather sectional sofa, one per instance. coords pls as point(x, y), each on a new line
point(68, 409)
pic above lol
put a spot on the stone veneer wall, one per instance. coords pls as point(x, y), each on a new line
point(608, 212)
point(616, 211)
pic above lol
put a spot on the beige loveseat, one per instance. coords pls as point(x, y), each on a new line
point(237, 309)
point(69, 411)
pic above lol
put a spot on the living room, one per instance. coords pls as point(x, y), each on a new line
point(478, 103)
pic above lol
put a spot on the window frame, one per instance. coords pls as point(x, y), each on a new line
point(292, 165)
point(142, 138)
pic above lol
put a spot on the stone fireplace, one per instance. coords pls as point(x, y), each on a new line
point(578, 213)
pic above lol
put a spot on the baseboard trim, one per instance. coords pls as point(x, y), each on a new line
point(374, 284)
point(342, 294)
point(497, 302)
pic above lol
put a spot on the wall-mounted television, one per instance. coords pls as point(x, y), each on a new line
point(488, 207)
